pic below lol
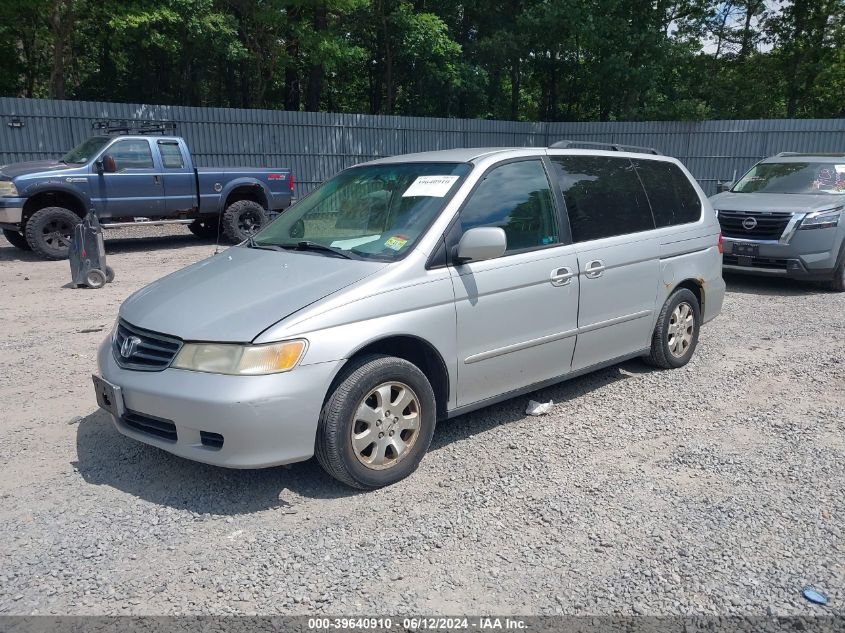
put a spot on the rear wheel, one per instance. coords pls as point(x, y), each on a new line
point(243, 219)
point(377, 423)
point(18, 240)
point(206, 229)
point(676, 332)
point(49, 230)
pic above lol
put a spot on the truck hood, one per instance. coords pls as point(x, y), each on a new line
point(775, 201)
point(234, 296)
point(32, 167)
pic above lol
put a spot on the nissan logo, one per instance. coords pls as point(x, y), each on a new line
point(129, 345)
point(749, 223)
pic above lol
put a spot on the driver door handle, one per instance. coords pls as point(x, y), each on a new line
point(561, 276)
point(594, 269)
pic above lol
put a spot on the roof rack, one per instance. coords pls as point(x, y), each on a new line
point(830, 154)
point(616, 147)
point(122, 126)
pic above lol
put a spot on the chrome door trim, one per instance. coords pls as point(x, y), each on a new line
point(515, 347)
point(625, 317)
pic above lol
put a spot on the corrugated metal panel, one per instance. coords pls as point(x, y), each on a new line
point(316, 145)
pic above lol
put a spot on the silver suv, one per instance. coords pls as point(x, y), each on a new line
point(784, 218)
point(409, 290)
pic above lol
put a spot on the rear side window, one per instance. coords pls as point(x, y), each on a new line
point(672, 197)
point(603, 196)
point(517, 198)
point(171, 157)
point(131, 154)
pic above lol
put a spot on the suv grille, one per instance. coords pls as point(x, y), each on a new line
point(766, 225)
point(134, 348)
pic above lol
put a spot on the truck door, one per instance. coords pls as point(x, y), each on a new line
point(135, 188)
point(180, 184)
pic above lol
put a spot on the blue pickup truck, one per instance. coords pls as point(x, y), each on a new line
point(127, 177)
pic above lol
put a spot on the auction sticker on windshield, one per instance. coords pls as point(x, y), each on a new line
point(433, 186)
point(396, 242)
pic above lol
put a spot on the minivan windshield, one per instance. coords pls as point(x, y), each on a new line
point(812, 178)
point(85, 151)
point(373, 211)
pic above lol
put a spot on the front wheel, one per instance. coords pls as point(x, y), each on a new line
point(48, 231)
point(377, 423)
point(837, 284)
point(676, 332)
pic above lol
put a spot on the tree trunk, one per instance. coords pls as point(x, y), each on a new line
point(515, 77)
point(315, 72)
point(292, 91)
point(61, 23)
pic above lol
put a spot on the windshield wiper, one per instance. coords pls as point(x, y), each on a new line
point(251, 243)
point(306, 245)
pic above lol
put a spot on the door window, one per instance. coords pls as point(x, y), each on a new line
point(171, 155)
point(673, 199)
point(603, 196)
point(131, 154)
point(515, 197)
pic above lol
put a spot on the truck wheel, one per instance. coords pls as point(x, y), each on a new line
point(16, 239)
point(206, 229)
point(676, 332)
point(377, 424)
point(242, 219)
point(48, 231)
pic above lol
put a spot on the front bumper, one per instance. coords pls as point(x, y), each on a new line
point(11, 210)
point(264, 420)
point(810, 255)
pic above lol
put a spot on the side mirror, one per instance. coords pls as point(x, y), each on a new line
point(481, 243)
point(721, 187)
point(106, 165)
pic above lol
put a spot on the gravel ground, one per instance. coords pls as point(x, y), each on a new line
point(713, 489)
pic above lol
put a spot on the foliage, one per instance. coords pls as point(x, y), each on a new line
point(518, 59)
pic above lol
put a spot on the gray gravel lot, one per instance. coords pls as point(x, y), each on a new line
point(713, 489)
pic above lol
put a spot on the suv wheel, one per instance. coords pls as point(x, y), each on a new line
point(243, 219)
point(837, 284)
point(18, 240)
point(48, 231)
point(676, 332)
point(377, 423)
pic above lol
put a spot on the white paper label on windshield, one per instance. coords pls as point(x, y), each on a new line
point(434, 186)
point(840, 169)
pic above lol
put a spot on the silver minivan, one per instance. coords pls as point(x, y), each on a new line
point(409, 290)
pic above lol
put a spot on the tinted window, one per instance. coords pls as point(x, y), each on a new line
point(672, 197)
point(603, 196)
point(171, 157)
point(815, 178)
point(131, 154)
point(517, 198)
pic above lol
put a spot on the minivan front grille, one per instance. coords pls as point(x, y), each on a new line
point(151, 425)
point(754, 225)
point(135, 348)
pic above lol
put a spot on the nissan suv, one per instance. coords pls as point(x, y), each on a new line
point(784, 218)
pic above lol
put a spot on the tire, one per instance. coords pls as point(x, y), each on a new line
point(383, 461)
point(837, 284)
point(109, 274)
point(206, 229)
point(48, 231)
point(18, 240)
point(96, 278)
point(242, 219)
point(669, 348)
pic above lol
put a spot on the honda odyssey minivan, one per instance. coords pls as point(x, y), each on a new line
point(409, 290)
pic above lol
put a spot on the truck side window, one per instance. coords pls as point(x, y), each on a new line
point(171, 155)
point(603, 196)
point(517, 198)
point(131, 154)
point(673, 199)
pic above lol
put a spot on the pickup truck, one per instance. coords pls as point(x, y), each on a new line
point(130, 178)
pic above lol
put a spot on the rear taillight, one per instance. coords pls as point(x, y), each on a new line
point(291, 183)
point(719, 244)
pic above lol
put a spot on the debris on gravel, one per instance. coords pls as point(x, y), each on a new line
point(712, 489)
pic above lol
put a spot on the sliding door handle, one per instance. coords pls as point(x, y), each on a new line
point(594, 269)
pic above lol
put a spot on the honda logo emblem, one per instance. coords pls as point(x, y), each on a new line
point(129, 345)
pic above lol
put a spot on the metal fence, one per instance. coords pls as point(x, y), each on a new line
point(316, 145)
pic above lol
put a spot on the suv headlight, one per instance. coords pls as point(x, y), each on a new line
point(240, 360)
point(822, 219)
point(7, 188)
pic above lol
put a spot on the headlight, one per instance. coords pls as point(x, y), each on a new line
point(7, 188)
point(240, 360)
point(822, 219)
